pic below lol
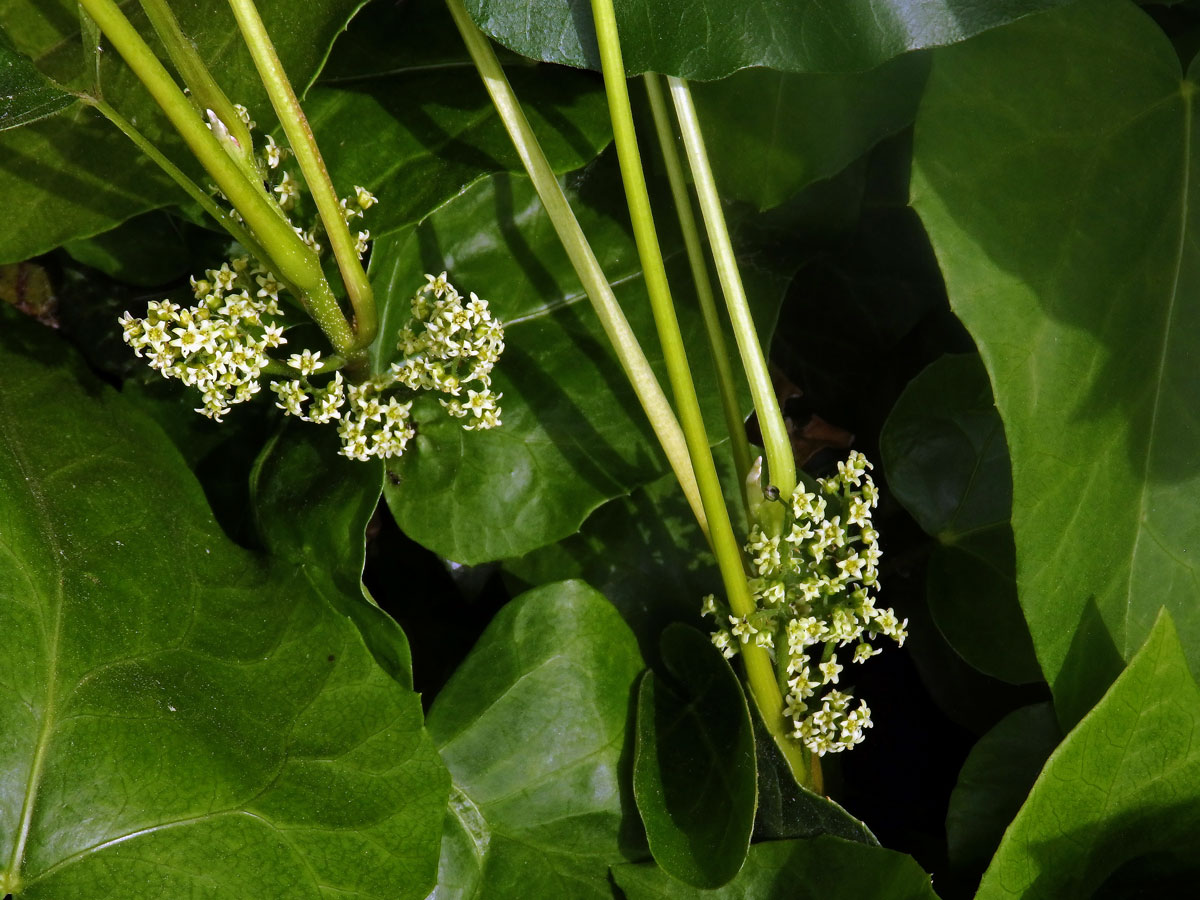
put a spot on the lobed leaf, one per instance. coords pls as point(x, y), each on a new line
point(533, 729)
point(574, 435)
point(1117, 806)
point(180, 717)
point(1056, 173)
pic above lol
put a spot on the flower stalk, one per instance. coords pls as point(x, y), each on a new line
point(760, 671)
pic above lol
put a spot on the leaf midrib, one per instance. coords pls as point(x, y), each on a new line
point(1187, 90)
point(33, 782)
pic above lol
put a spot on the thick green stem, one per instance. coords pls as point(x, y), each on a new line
point(287, 255)
point(312, 166)
point(734, 422)
point(236, 230)
point(760, 672)
point(777, 445)
point(616, 326)
point(205, 92)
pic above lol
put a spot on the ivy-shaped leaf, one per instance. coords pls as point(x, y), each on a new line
point(1117, 806)
point(180, 717)
point(1056, 172)
point(574, 435)
point(533, 729)
point(711, 38)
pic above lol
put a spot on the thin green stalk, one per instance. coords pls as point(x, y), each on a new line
point(205, 92)
point(616, 326)
point(734, 423)
point(781, 464)
point(289, 257)
point(312, 166)
point(760, 672)
point(236, 230)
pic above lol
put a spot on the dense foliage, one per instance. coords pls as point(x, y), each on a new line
point(242, 664)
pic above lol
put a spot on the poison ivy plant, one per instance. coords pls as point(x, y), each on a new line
point(801, 128)
point(533, 727)
point(1069, 252)
point(1117, 806)
point(823, 868)
point(713, 38)
point(946, 460)
point(567, 446)
point(694, 765)
point(181, 717)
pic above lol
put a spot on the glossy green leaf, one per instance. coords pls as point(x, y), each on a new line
point(180, 717)
point(311, 507)
point(574, 435)
point(995, 780)
point(1056, 168)
point(25, 93)
point(823, 868)
point(946, 460)
point(713, 38)
point(694, 765)
point(1117, 806)
point(422, 127)
point(74, 174)
point(145, 251)
point(533, 729)
point(798, 129)
point(644, 553)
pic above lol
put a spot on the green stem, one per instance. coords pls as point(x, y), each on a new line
point(781, 464)
point(288, 256)
point(236, 230)
point(312, 166)
point(760, 672)
point(616, 326)
point(205, 92)
point(734, 422)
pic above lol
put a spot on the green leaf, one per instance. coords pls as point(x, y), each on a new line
point(181, 717)
point(74, 175)
point(400, 82)
point(145, 251)
point(713, 38)
point(946, 460)
point(533, 729)
point(995, 780)
point(694, 765)
point(823, 868)
point(574, 435)
point(26, 95)
point(311, 507)
point(1056, 170)
point(1117, 806)
point(798, 129)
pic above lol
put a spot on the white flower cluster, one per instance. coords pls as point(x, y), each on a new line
point(448, 346)
point(814, 596)
point(219, 346)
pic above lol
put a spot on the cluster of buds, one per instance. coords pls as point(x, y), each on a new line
point(814, 596)
point(219, 346)
point(450, 345)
